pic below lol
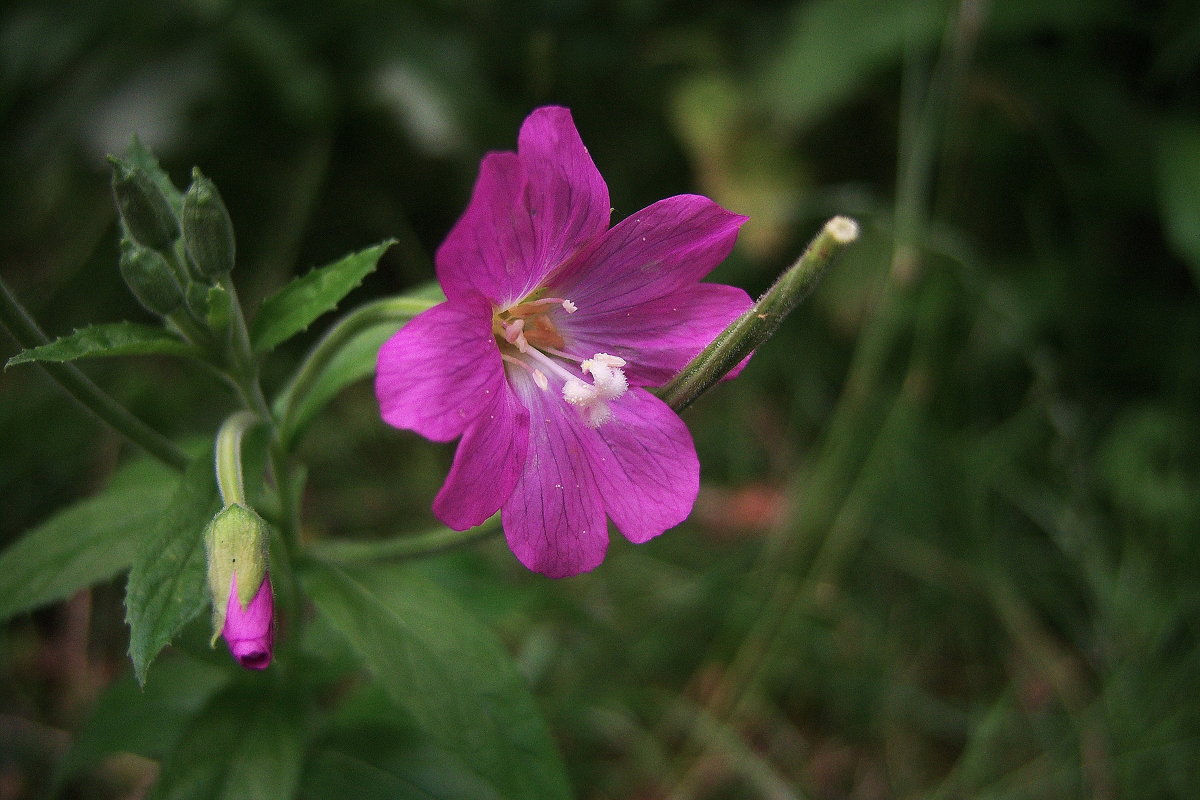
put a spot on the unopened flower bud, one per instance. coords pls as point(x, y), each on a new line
point(145, 210)
point(243, 606)
point(150, 278)
point(207, 229)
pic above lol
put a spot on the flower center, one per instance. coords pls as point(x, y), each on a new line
point(529, 340)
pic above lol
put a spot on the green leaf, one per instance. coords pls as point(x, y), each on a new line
point(110, 339)
point(86, 543)
point(145, 720)
point(447, 671)
point(386, 762)
point(354, 360)
point(371, 749)
point(168, 585)
point(248, 742)
point(294, 307)
point(348, 353)
point(1178, 180)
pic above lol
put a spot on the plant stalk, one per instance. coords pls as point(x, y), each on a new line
point(27, 333)
point(745, 334)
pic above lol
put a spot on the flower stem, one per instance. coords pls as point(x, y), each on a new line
point(243, 365)
point(27, 333)
point(402, 548)
point(229, 456)
point(751, 329)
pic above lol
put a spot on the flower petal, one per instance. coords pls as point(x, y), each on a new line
point(528, 213)
point(659, 337)
point(486, 465)
point(250, 632)
point(651, 254)
point(492, 249)
point(440, 369)
point(646, 466)
point(565, 193)
point(554, 520)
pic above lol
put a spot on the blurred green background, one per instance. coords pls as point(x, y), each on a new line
point(948, 543)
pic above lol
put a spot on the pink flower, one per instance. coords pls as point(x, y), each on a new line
point(552, 325)
point(250, 631)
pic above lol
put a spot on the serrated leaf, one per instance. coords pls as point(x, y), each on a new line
point(248, 742)
point(109, 339)
point(294, 307)
point(85, 543)
point(447, 671)
point(146, 720)
point(168, 585)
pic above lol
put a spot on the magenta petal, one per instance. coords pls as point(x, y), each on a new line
point(492, 249)
point(438, 371)
point(250, 632)
point(528, 213)
point(565, 194)
point(659, 337)
point(487, 464)
point(651, 254)
point(554, 520)
point(646, 466)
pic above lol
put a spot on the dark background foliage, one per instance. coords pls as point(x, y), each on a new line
point(948, 540)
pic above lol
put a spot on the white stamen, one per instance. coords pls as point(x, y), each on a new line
point(539, 377)
point(550, 364)
point(513, 329)
point(569, 307)
point(514, 333)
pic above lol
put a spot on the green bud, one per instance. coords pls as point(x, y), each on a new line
point(210, 304)
point(145, 210)
point(236, 541)
point(207, 229)
point(149, 277)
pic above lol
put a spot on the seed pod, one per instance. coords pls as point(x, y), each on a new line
point(207, 229)
point(145, 210)
point(150, 278)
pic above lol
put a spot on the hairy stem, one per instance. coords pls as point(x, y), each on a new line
point(751, 329)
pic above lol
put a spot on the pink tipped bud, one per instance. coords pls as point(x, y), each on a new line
point(250, 631)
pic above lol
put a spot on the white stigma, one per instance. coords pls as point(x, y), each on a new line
point(608, 383)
